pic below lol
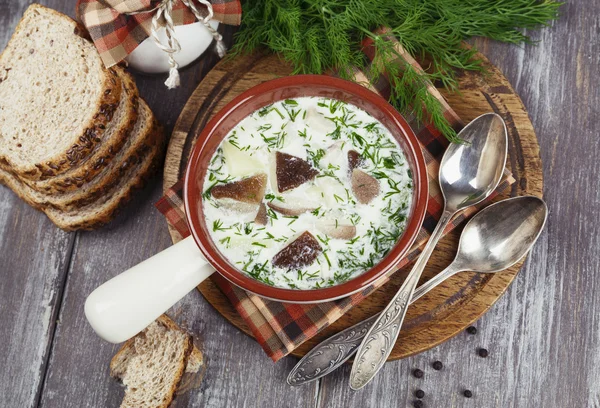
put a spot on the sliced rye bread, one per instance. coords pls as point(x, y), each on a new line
point(56, 97)
point(102, 211)
point(195, 361)
point(132, 153)
point(117, 133)
point(119, 362)
point(152, 364)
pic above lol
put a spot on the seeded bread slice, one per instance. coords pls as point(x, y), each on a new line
point(136, 147)
point(117, 133)
point(56, 97)
point(152, 364)
point(119, 363)
point(102, 211)
point(99, 213)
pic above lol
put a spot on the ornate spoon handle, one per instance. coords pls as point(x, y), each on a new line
point(381, 337)
point(331, 353)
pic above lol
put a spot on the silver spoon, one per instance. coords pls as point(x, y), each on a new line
point(492, 241)
point(469, 173)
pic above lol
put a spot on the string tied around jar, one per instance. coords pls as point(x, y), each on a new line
point(164, 10)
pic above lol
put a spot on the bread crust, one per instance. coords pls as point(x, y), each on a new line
point(189, 350)
point(127, 346)
point(104, 153)
point(136, 180)
point(132, 156)
point(83, 144)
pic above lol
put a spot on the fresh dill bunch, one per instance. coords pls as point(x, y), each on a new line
point(317, 36)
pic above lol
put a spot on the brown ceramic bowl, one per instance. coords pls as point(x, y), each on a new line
point(293, 87)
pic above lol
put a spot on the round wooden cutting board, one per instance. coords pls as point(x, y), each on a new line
point(456, 303)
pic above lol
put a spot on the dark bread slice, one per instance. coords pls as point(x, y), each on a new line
point(152, 364)
point(117, 135)
point(56, 97)
point(102, 211)
point(136, 148)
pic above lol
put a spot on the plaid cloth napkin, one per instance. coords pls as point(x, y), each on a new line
point(281, 327)
point(116, 34)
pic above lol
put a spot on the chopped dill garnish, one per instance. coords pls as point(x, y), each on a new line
point(323, 239)
point(371, 126)
point(268, 109)
point(327, 258)
point(218, 226)
point(389, 163)
point(353, 240)
point(315, 156)
point(336, 133)
point(355, 137)
point(270, 197)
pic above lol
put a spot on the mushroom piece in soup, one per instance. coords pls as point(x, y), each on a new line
point(307, 193)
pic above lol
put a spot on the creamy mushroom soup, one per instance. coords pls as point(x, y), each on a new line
point(307, 193)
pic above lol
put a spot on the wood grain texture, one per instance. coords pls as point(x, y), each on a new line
point(543, 335)
point(34, 260)
point(451, 306)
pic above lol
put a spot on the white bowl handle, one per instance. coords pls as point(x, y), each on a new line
point(125, 305)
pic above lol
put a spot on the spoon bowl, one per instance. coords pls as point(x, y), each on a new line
point(499, 236)
point(470, 171)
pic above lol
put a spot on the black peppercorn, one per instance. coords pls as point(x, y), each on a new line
point(467, 393)
point(483, 353)
point(418, 373)
point(419, 394)
point(437, 365)
point(471, 330)
point(418, 404)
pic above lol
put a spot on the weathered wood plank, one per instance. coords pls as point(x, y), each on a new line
point(543, 335)
point(34, 258)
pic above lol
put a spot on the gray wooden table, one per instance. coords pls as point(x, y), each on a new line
point(543, 335)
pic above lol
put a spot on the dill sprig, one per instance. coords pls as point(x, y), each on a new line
point(317, 36)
